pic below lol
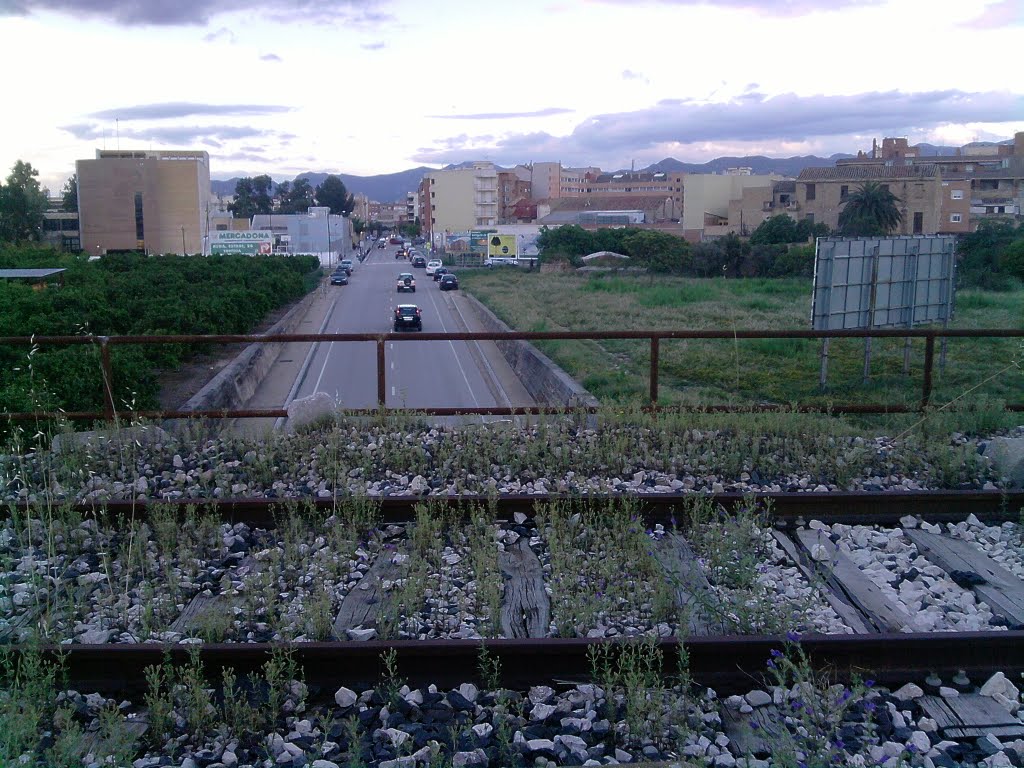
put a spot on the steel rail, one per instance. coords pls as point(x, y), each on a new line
point(784, 509)
point(730, 664)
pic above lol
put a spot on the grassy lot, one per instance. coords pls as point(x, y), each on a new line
point(744, 372)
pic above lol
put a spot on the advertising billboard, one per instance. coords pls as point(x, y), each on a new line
point(503, 246)
point(883, 282)
point(478, 241)
point(252, 243)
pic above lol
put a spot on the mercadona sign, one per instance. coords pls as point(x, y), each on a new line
point(251, 243)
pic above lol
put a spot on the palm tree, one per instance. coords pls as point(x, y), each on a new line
point(870, 212)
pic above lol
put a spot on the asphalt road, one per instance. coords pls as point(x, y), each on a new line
point(419, 374)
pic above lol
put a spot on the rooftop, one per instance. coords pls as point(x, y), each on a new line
point(868, 173)
point(28, 274)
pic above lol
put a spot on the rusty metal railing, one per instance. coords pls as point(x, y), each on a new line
point(654, 338)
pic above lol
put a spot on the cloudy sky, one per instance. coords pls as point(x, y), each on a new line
point(377, 86)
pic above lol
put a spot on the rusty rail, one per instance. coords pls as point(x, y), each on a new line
point(653, 337)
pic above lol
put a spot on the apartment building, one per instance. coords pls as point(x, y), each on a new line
point(460, 199)
point(639, 184)
point(152, 201)
point(928, 203)
point(513, 187)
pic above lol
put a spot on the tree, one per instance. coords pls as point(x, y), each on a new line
point(777, 229)
point(358, 225)
point(69, 194)
point(22, 205)
point(252, 197)
point(870, 212)
point(331, 193)
point(658, 251)
point(297, 198)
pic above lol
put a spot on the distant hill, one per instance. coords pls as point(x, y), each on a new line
point(384, 188)
point(759, 164)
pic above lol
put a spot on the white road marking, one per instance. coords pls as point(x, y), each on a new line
point(327, 357)
point(465, 378)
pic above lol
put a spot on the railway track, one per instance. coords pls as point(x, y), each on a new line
point(879, 647)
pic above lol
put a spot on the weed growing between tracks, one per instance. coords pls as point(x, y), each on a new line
point(602, 572)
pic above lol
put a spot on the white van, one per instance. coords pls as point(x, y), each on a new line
point(433, 264)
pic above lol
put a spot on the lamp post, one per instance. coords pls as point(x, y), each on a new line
point(183, 251)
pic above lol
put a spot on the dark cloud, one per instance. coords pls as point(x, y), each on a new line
point(752, 118)
point(373, 46)
point(270, 57)
point(213, 135)
point(173, 110)
point(505, 115)
point(769, 7)
point(132, 13)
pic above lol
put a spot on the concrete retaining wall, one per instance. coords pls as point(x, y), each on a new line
point(546, 382)
point(236, 383)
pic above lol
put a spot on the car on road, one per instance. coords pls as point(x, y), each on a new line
point(382, 243)
point(439, 273)
point(339, 277)
point(401, 253)
point(449, 282)
point(347, 265)
point(406, 282)
point(419, 261)
point(432, 265)
point(499, 261)
point(408, 316)
point(396, 241)
point(419, 240)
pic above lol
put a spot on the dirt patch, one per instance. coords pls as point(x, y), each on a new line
point(177, 386)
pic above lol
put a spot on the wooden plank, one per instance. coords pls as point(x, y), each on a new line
point(833, 592)
point(525, 608)
point(886, 614)
point(744, 739)
point(200, 609)
point(690, 585)
point(1003, 592)
point(971, 715)
point(362, 604)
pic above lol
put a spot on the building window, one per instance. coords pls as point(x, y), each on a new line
point(433, 194)
point(918, 222)
point(810, 192)
point(955, 218)
point(956, 194)
point(140, 230)
point(809, 218)
point(844, 192)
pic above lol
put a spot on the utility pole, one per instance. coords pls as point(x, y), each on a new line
point(183, 251)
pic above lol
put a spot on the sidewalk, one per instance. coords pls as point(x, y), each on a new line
point(273, 391)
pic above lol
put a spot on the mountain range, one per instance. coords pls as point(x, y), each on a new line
point(393, 187)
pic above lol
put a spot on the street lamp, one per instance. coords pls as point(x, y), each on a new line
point(183, 251)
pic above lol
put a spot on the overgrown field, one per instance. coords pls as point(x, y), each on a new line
point(129, 294)
point(744, 371)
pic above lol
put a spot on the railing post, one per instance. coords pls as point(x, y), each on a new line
point(929, 362)
point(381, 383)
point(655, 350)
point(108, 378)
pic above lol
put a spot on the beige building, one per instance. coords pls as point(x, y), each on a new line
point(928, 204)
point(460, 199)
point(706, 199)
point(640, 184)
point(153, 201)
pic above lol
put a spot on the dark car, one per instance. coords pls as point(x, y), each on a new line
point(339, 277)
point(381, 244)
point(400, 253)
point(449, 282)
point(396, 241)
point(346, 264)
point(419, 261)
point(419, 240)
point(439, 272)
point(408, 316)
